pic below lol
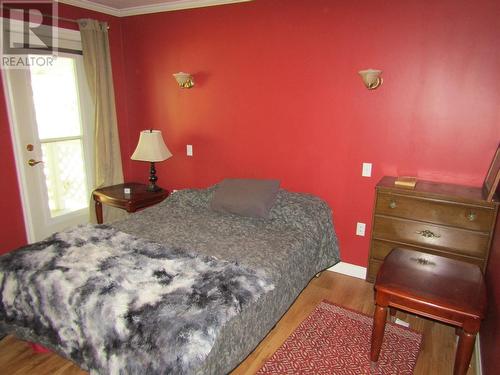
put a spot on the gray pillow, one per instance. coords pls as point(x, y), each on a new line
point(245, 197)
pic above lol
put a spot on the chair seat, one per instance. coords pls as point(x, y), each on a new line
point(437, 287)
point(441, 283)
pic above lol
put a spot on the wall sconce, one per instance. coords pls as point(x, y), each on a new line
point(185, 80)
point(371, 78)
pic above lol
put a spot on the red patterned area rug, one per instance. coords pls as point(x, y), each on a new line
point(336, 340)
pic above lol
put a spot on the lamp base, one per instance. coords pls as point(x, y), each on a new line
point(152, 179)
point(154, 188)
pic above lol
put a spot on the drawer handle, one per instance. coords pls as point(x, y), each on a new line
point(471, 216)
point(428, 234)
point(393, 204)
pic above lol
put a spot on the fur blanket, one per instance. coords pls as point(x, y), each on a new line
point(117, 304)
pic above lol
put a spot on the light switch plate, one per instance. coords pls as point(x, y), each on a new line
point(367, 170)
point(360, 229)
point(127, 190)
point(189, 150)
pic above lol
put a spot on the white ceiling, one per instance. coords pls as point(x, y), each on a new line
point(121, 8)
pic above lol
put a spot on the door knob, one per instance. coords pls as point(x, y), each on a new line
point(33, 162)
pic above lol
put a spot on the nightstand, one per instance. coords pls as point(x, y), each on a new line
point(115, 196)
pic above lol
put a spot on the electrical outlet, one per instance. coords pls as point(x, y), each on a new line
point(189, 150)
point(367, 170)
point(402, 323)
point(360, 229)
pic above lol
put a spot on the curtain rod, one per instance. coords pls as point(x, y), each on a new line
point(54, 17)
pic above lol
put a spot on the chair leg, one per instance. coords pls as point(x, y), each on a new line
point(379, 319)
point(464, 352)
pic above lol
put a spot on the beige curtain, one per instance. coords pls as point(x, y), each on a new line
point(107, 158)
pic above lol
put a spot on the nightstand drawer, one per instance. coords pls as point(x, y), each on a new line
point(380, 249)
point(437, 212)
point(460, 241)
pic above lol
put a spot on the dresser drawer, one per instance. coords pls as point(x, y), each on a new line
point(380, 249)
point(460, 241)
point(437, 212)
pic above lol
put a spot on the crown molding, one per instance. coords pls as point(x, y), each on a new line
point(175, 5)
point(148, 9)
point(85, 4)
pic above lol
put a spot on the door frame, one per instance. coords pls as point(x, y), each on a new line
point(67, 39)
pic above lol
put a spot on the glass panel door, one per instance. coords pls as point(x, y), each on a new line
point(51, 117)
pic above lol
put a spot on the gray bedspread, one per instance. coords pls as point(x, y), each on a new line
point(288, 249)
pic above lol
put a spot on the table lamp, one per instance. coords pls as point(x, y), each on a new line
point(151, 148)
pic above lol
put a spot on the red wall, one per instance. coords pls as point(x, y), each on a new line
point(278, 95)
point(12, 230)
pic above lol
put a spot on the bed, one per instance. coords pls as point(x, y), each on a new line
point(85, 295)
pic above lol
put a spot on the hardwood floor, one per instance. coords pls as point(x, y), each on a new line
point(436, 357)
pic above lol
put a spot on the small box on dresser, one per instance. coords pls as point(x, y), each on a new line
point(438, 218)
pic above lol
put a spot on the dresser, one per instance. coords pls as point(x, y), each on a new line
point(437, 218)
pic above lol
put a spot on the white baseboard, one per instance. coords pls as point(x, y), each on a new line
point(349, 269)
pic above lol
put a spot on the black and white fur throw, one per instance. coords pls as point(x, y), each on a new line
point(117, 304)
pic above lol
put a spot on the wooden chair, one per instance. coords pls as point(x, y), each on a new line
point(436, 287)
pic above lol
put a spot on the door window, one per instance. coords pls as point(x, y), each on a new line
point(60, 131)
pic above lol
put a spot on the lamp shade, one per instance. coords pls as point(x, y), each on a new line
point(151, 147)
